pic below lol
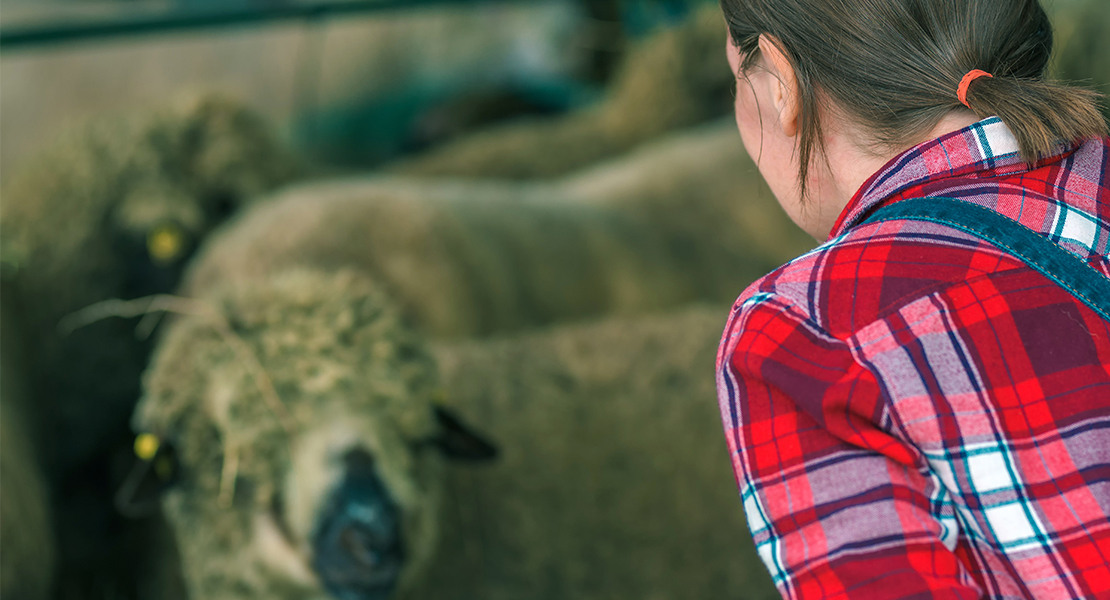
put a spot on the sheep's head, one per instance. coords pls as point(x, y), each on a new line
point(326, 481)
point(115, 207)
point(188, 170)
point(223, 152)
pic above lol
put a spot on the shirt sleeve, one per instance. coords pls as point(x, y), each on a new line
point(839, 507)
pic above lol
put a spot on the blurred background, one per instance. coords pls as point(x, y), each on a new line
point(348, 82)
point(353, 82)
point(122, 90)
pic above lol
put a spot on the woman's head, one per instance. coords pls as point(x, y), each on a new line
point(891, 68)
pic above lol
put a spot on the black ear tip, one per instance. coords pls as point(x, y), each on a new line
point(457, 441)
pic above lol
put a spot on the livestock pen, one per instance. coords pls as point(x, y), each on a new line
point(556, 175)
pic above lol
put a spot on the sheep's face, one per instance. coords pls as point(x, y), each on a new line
point(118, 206)
point(187, 172)
point(333, 491)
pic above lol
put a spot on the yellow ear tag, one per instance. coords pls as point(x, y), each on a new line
point(146, 446)
point(165, 243)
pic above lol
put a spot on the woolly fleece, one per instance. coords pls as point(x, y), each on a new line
point(342, 365)
point(685, 219)
point(614, 479)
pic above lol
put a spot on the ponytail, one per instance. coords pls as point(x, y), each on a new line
point(895, 66)
point(1040, 114)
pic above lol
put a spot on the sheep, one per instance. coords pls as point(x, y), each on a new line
point(613, 479)
point(292, 391)
point(685, 219)
point(449, 259)
point(112, 210)
point(675, 79)
point(27, 551)
point(275, 389)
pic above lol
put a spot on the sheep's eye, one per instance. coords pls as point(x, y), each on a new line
point(222, 204)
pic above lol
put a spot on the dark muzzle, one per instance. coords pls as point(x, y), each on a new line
point(358, 552)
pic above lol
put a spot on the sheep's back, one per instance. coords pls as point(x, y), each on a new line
point(460, 258)
point(702, 187)
point(685, 219)
point(614, 478)
point(613, 481)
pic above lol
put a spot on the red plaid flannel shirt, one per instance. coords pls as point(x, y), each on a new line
point(912, 413)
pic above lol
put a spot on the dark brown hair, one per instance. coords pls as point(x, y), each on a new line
point(894, 66)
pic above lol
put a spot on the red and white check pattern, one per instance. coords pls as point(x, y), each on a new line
point(911, 412)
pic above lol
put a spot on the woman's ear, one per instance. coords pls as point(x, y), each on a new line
point(785, 93)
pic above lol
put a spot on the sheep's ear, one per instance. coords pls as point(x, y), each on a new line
point(457, 441)
point(155, 470)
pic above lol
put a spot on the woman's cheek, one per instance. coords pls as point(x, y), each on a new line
point(747, 119)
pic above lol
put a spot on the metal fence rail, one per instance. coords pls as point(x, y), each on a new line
point(25, 36)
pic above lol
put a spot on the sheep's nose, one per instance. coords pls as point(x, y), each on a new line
point(358, 552)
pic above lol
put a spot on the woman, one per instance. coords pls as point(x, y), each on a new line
point(914, 411)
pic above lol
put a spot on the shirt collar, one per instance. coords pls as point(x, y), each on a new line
point(986, 148)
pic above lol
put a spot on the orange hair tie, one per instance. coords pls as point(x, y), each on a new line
point(972, 75)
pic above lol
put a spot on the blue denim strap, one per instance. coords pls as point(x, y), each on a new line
point(1064, 268)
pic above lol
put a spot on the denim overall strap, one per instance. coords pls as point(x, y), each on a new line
point(1064, 268)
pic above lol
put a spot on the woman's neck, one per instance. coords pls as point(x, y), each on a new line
point(850, 164)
